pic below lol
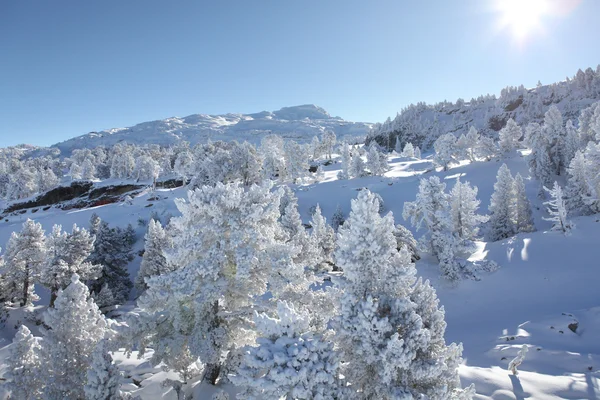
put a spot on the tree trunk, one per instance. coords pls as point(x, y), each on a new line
point(25, 289)
point(53, 295)
point(212, 373)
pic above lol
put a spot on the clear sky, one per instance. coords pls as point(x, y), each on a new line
point(70, 67)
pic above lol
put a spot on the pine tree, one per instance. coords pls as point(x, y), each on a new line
point(346, 162)
point(417, 153)
point(296, 156)
point(408, 151)
point(374, 162)
point(227, 247)
point(501, 206)
point(508, 137)
point(25, 255)
point(323, 237)
point(523, 217)
point(431, 210)
point(154, 261)
point(357, 166)
point(328, 140)
point(445, 150)
point(24, 366)
point(75, 326)
point(554, 133)
point(112, 250)
point(463, 208)
point(572, 144)
point(390, 332)
point(338, 218)
point(557, 210)
point(67, 255)
point(472, 139)
point(289, 361)
point(406, 240)
point(577, 190)
point(103, 377)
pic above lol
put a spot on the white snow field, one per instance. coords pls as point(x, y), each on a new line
point(544, 295)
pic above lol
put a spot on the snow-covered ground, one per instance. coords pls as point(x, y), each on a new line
point(544, 295)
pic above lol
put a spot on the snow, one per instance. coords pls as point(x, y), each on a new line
point(545, 282)
point(300, 123)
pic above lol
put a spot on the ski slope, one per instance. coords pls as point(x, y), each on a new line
point(546, 282)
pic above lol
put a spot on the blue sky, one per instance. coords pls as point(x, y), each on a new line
point(70, 67)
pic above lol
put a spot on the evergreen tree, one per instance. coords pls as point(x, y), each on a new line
point(227, 247)
point(323, 237)
point(328, 141)
point(508, 137)
point(390, 332)
point(431, 210)
point(417, 152)
point(103, 377)
point(289, 361)
point(557, 210)
point(154, 261)
point(25, 255)
point(75, 326)
point(472, 140)
point(346, 162)
point(572, 144)
point(577, 190)
point(406, 240)
point(523, 217)
point(554, 133)
point(112, 250)
point(338, 218)
point(408, 151)
point(67, 255)
point(445, 150)
point(24, 366)
point(374, 162)
point(501, 206)
point(357, 166)
point(463, 208)
point(296, 156)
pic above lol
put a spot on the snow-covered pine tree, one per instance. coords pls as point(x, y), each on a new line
point(323, 238)
point(572, 144)
point(112, 250)
point(557, 210)
point(338, 218)
point(577, 190)
point(103, 377)
point(431, 210)
point(376, 164)
point(154, 261)
point(298, 236)
point(25, 255)
point(390, 331)
point(344, 173)
point(445, 150)
point(523, 216)
point(405, 239)
point(289, 360)
point(472, 139)
point(487, 148)
point(417, 152)
point(463, 208)
point(408, 151)
point(24, 366)
point(227, 248)
point(357, 166)
point(508, 137)
point(296, 156)
point(75, 326)
point(554, 133)
point(501, 207)
point(328, 141)
point(67, 255)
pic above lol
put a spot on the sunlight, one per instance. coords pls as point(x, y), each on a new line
point(522, 17)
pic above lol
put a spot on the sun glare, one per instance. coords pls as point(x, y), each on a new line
point(522, 18)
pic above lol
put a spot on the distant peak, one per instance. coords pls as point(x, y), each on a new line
point(309, 111)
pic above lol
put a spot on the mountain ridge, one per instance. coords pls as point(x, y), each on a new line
point(300, 123)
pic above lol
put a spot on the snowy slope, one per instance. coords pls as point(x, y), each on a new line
point(546, 281)
point(300, 123)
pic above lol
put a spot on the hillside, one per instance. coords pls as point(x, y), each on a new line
point(299, 123)
point(422, 123)
point(530, 300)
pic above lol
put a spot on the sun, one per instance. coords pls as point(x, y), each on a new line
point(522, 18)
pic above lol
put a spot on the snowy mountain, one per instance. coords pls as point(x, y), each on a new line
point(300, 123)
